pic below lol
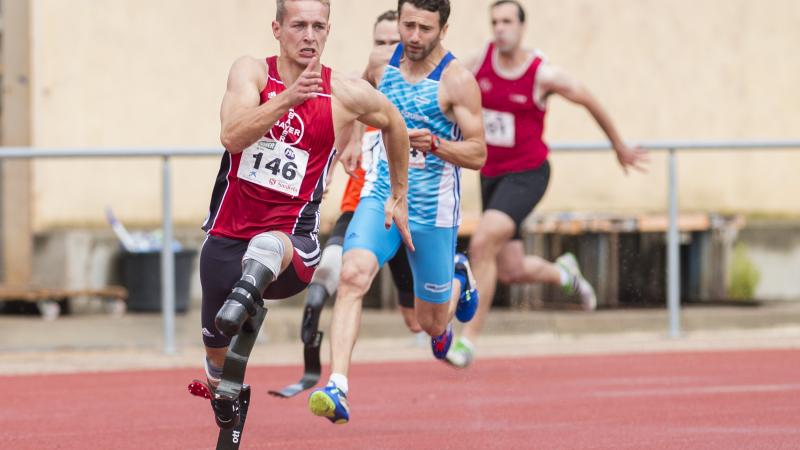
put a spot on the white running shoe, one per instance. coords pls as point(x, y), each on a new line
point(461, 354)
point(577, 283)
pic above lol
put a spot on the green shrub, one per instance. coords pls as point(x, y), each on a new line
point(744, 276)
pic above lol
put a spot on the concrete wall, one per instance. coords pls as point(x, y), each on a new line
point(773, 247)
point(151, 73)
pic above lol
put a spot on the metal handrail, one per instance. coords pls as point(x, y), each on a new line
point(168, 256)
point(74, 152)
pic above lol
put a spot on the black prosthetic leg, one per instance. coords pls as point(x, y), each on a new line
point(312, 340)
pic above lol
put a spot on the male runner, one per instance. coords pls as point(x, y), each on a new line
point(440, 102)
point(361, 148)
point(515, 86)
point(280, 116)
point(365, 145)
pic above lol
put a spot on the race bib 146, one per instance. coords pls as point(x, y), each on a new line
point(274, 165)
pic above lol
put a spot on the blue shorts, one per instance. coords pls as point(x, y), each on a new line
point(431, 263)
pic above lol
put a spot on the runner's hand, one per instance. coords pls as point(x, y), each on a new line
point(420, 139)
point(350, 160)
point(632, 157)
point(396, 210)
point(307, 85)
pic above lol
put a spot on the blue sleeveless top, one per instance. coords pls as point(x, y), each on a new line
point(434, 185)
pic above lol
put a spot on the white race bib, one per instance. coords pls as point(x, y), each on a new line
point(370, 144)
point(500, 129)
point(274, 165)
point(416, 159)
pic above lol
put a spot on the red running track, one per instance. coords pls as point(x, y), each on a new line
point(721, 400)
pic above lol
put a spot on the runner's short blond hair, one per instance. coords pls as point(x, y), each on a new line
point(280, 11)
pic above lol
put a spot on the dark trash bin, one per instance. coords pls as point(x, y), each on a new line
point(141, 275)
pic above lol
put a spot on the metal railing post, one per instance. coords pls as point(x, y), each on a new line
point(673, 251)
point(167, 261)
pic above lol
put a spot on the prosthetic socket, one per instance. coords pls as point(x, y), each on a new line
point(260, 265)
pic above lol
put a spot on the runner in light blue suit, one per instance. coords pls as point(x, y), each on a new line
point(441, 104)
point(434, 195)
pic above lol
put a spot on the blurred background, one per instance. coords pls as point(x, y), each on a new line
point(128, 74)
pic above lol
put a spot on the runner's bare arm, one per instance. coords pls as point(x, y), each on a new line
point(462, 92)
point(243, 121)
point(553, 80)
point(378, 60)
point(351, 154)
point(356, 99)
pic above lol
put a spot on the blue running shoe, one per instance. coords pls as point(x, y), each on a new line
point(330, 402)
point(441, 345)
point(468, 300)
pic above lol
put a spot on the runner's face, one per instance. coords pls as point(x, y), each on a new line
point(506, 27)
point(385, 33)
point(419, 31)
point(304, 30)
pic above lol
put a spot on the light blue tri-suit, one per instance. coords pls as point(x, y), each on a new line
point(434, 189)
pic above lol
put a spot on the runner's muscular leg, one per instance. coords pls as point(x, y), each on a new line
point(410, 319)
point(513, 266)
point(359, 268)
point(494, 231)
point(434, 317)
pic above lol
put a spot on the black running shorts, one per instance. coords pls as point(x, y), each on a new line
point(515, 194)
point(221, 268)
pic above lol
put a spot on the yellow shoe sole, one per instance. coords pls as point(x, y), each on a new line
point(321, 405)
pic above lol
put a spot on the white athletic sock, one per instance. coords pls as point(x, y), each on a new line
point(340, 381)
point(213, 373)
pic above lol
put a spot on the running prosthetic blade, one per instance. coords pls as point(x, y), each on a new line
point(311, 373)
point(231, 438)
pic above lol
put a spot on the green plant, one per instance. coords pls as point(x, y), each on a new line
point(744, 275)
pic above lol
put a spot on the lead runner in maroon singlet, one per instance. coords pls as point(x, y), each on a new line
point(280, 118)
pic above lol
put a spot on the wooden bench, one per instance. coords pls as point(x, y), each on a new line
point(622, 255)
point(608, 244)
point(47, 299)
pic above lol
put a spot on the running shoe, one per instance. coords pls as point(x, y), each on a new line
point(440, 345)
point(462, 354)
point(330, 402)
point(468, 300)
point(577, 283)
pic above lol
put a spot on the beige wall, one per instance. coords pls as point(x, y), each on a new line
point(151, 73)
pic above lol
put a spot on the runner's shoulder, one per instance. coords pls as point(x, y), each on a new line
point(378, 60)
point(249, 65)
point(536, 53)
point(381, 55)
point(457, 76)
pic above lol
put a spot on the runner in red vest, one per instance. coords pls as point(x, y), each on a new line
point(515, 85)
point(280, 117)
